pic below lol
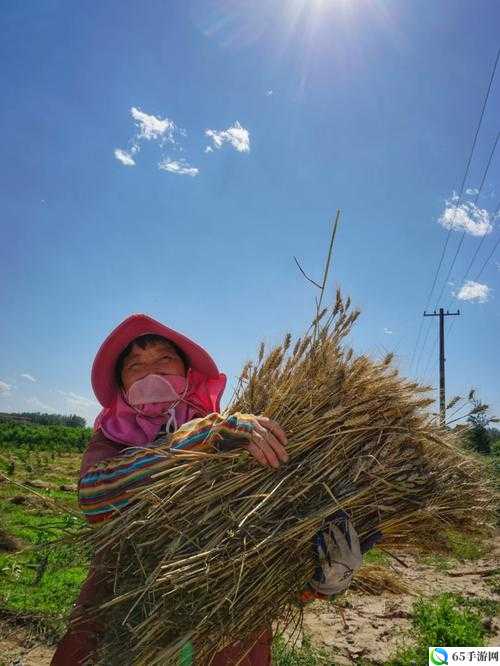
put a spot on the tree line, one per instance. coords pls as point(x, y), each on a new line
point(44, 437)
point(71, 420)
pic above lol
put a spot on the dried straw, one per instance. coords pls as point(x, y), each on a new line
point(218, 546)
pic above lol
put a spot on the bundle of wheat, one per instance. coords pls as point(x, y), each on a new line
point(217, 546)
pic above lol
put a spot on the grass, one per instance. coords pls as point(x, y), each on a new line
point(494, 583)
point(460, 548)
point(439, 562)
point(447, 619)
point(304, 655)
point(376, 556)
point(42, 582)
point(464, 547)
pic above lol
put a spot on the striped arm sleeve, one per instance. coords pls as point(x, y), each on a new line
point(108, 486)
point(214, 432)
point(111, 485)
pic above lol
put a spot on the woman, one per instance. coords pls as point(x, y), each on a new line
point(151, 381)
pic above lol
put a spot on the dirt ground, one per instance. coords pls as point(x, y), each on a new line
point(368, 626)
point(372, 626)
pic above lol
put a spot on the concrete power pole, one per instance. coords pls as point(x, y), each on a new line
point(442, 392)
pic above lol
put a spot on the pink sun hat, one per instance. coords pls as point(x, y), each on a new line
point(103, 368)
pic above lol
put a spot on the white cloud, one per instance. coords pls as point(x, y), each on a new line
point(29, 377)
point(151, 127)
point(79, 404)
point(209, 149)
point(178, 167)
point(38, 404)
point(4, 389)
point(472, 191)
point(69, 395)
point(124, 157)
point(269, 93)
point(474, 291)
point(388, 331)
point(237, 136)
point(466, 217)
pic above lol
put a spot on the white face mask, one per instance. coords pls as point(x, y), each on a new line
point(157, 388)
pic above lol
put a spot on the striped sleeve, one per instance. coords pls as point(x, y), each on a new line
point(215, 432)
point(109, 486)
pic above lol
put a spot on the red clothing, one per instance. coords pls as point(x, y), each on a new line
point(84, 634)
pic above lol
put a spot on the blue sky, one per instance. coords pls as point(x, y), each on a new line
point(369, 106)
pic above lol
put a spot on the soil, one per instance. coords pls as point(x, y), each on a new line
point(20, 646)
point(368, 626)
point(373, 627)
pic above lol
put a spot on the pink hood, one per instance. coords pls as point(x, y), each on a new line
point(121, 423)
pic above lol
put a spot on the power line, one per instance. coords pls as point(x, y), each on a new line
point(478, 247)
point(423, 348)
point(487, 260)
point(464, 179)
point(476, 278)
point(485, 173)
point(431, 356)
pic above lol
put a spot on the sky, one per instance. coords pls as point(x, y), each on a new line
point(172, 159)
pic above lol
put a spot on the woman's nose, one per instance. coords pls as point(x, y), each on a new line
point(155, 367)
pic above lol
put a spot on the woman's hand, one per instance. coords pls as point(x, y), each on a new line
point(267, 443)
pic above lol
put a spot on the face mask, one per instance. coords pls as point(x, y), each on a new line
point(157, 389)
point(157, 395)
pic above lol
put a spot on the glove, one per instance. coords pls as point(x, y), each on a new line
point(338, 556)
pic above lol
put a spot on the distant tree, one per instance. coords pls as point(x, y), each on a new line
point(495, 448)
point(478, 436)
point(72, 420)
point(36, 436)
point(494, 434)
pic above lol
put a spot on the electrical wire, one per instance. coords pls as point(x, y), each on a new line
point(464, 179)
point(485, 173)
point(486, 261)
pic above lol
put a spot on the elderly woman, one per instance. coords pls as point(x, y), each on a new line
point(152, 382)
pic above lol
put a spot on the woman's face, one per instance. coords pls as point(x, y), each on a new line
point(159, 358)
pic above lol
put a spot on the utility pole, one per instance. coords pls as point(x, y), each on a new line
point(442, 393)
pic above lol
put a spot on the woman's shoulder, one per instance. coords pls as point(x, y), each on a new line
point(99, 448)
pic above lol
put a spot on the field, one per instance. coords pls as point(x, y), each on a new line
point(451, 600)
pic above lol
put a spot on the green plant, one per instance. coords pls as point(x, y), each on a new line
point(375, 556)
point(486, 607)
point(494, 584)
point(303, 655)
point(438, 562)
point(447, 619)
point(464, 547)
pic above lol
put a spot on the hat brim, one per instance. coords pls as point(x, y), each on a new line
point(103, 368)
